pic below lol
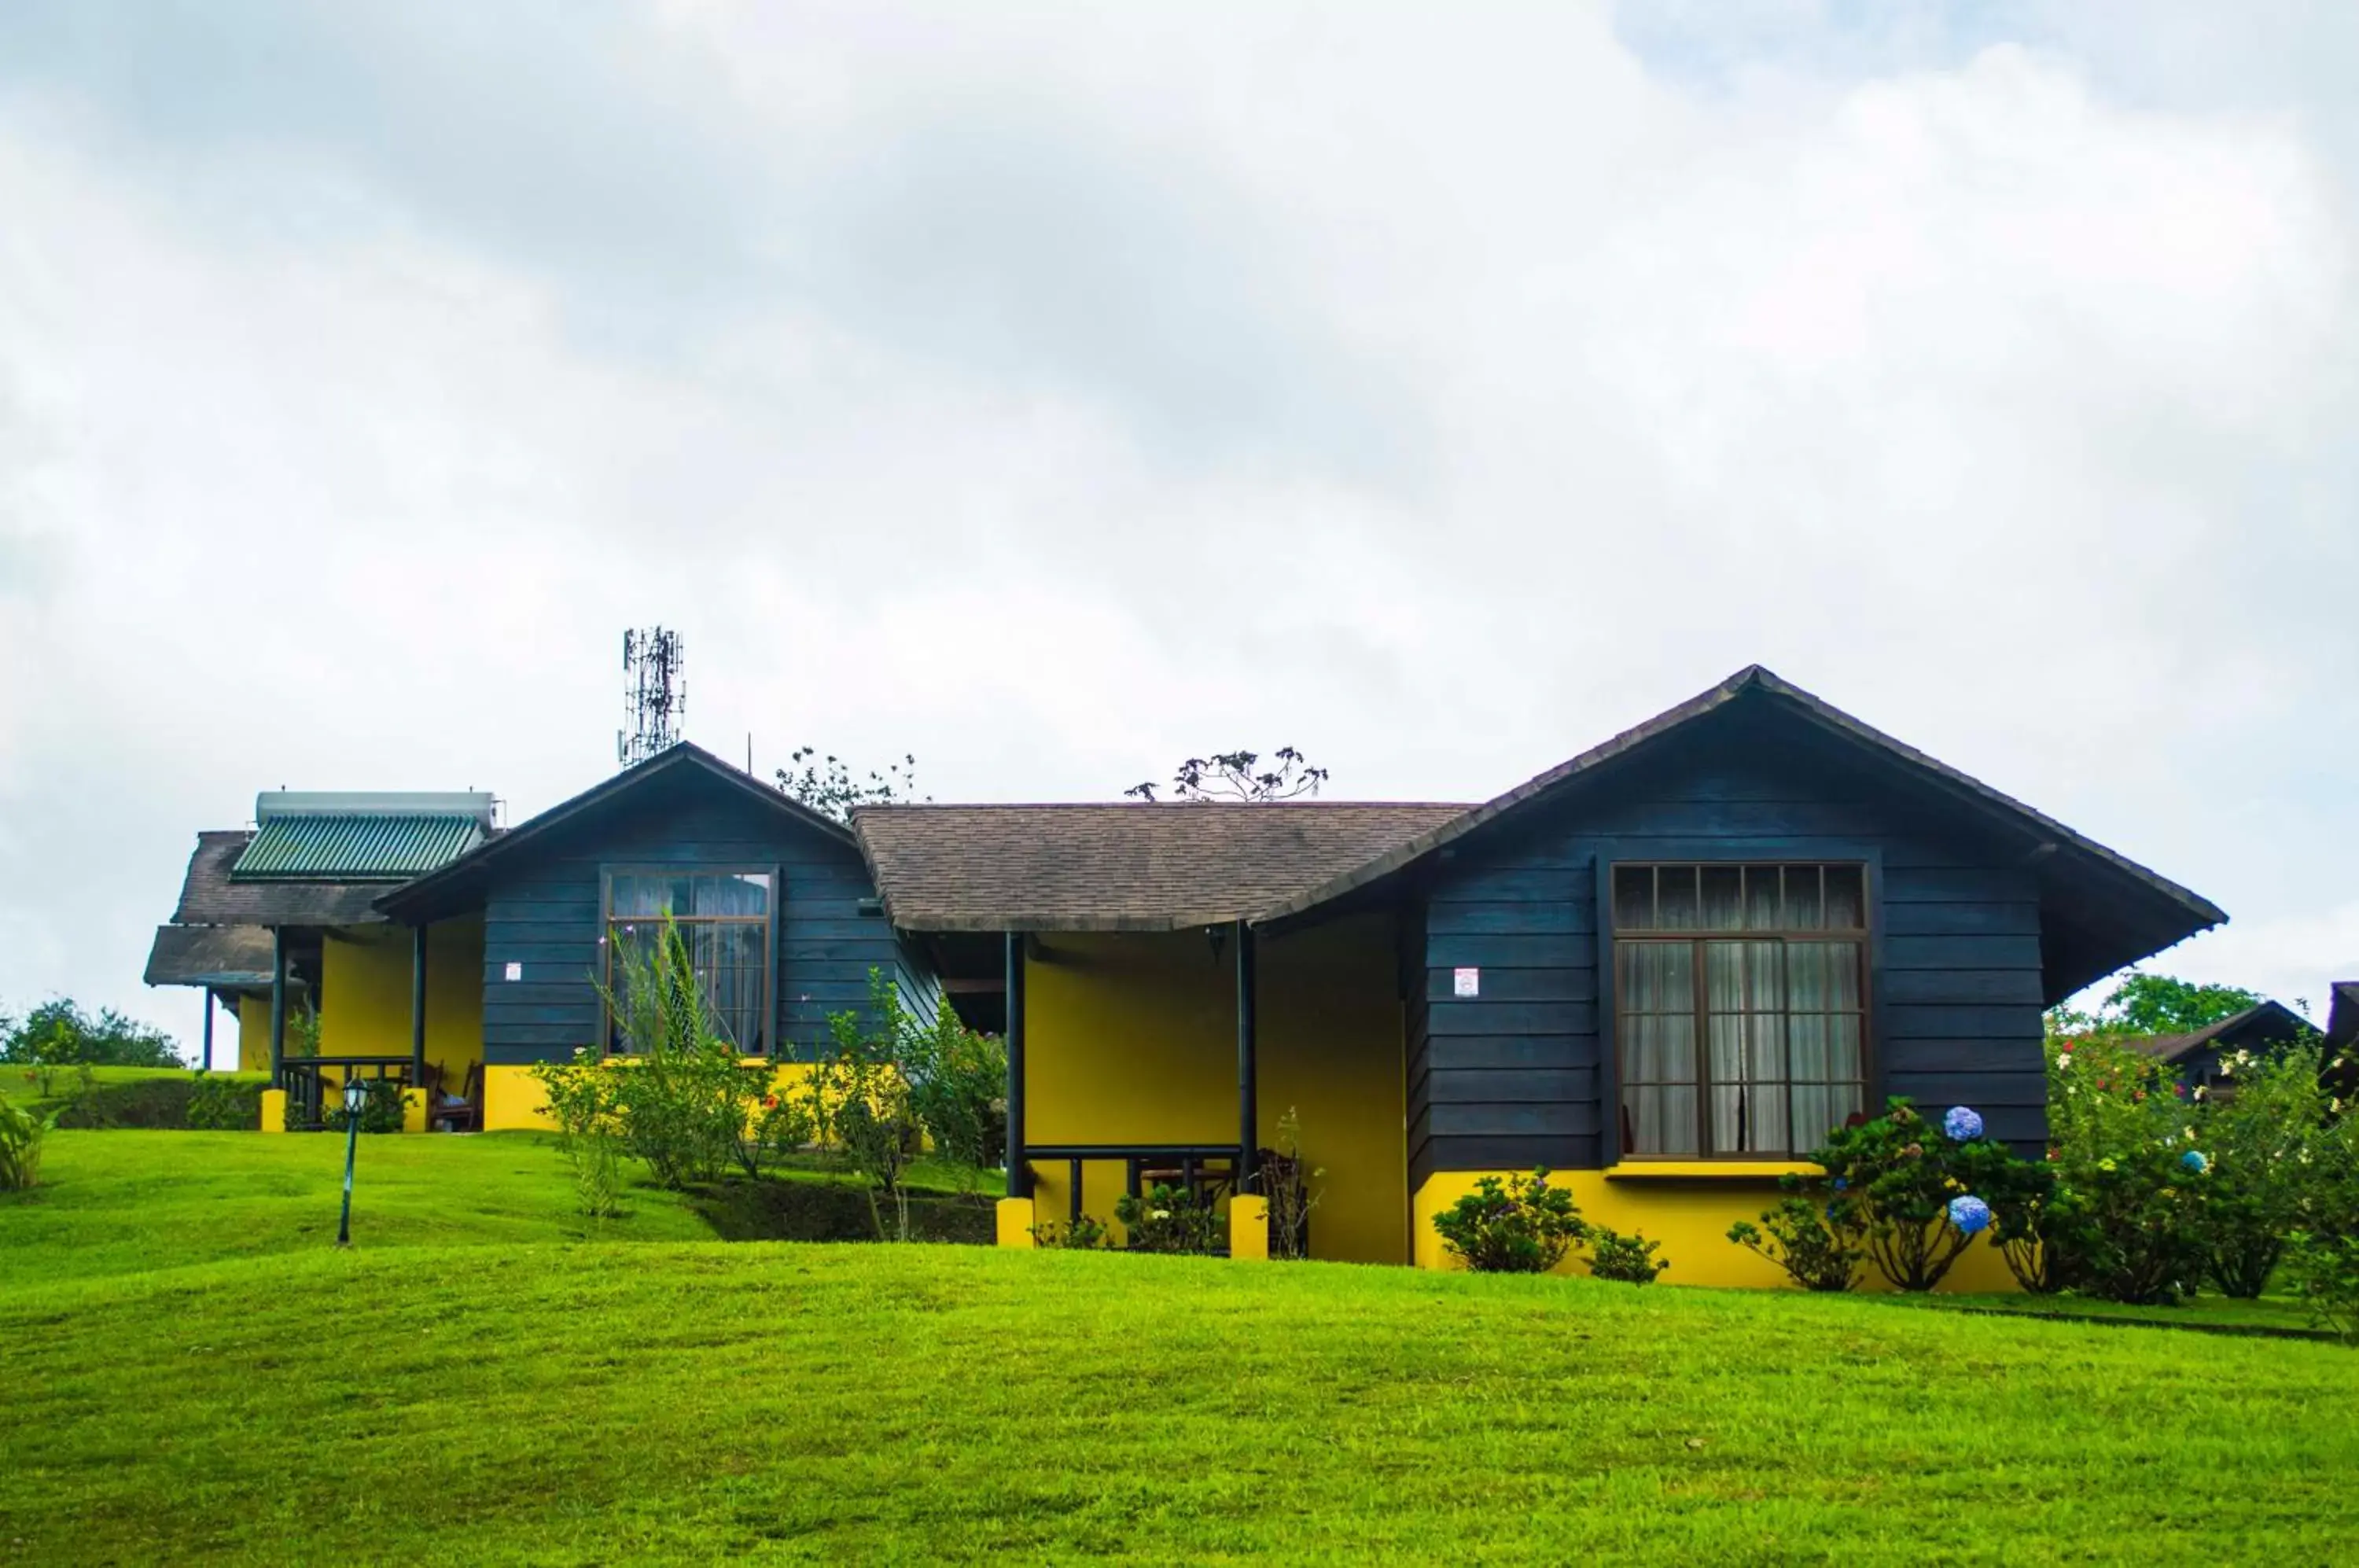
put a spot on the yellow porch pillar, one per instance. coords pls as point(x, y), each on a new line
point(1249, 1228)
point(274, 1110)
point(1015, 1223)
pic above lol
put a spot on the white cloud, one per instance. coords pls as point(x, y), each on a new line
point(1055, 396)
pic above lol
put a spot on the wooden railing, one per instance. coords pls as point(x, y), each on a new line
point(1205, 1171)
point(310, 1093)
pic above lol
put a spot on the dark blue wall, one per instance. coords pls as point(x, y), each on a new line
point(545, 913)
point(1524, 1074)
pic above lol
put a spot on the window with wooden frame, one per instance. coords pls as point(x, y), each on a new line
point(1740, 1006)
point(723, 919)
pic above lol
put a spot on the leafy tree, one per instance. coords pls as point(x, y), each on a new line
point(827, 786)
point(2155, 1004)
point(1239, 776)
point(59, 1034)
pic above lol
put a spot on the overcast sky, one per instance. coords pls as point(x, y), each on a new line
point(1056, 391)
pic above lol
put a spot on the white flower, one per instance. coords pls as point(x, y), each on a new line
point(1161, 1214)
point(2063, 1060)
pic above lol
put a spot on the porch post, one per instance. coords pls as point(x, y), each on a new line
point(206, 1054)
point(1248, 1122)
point(418, 1006)
point(278, 1007)
point(1019, 1170)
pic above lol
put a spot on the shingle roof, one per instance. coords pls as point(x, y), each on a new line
point(1118, 866)
point(354, 846)
point(2264, 1022)
point(235, 958)
point(209, 897)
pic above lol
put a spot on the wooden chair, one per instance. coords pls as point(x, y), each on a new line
point(464, 1114)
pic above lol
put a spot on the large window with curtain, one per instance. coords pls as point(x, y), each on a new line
point(1740, 1010)
point(723, 918)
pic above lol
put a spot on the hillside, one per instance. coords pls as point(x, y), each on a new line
point(526, 1397)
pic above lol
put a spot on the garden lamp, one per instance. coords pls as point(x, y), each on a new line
point(355, 1097)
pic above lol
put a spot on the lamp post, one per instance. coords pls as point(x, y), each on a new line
point(355, 1097)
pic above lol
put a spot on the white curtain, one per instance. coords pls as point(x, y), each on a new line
point(1655, 1000)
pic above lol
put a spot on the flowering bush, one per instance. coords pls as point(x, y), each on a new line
point(1896, 1177)
point(1522, 1225)
point(1818, 1244)
point(2262, 1145)
point(2124, 1223)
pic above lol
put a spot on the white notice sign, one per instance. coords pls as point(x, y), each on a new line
point(1466, 982)
point(515, 971)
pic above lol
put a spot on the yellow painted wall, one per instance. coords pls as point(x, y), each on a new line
point(513, 1100)
point(1131, 1038)
point(365, 980)
point(254, 1034)
point(1690, 1218)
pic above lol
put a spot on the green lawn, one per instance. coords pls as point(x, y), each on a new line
point(508, 1393)
point(2276, 1315)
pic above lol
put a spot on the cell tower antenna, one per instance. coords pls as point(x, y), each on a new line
point(654, 694)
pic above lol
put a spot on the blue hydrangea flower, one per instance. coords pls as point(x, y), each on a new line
point(1967, 1212)
point(1963, 1125)
point(1841, 1185)
point(2194, 1160)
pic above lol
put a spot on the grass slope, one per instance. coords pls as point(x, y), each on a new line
point(546, 1400)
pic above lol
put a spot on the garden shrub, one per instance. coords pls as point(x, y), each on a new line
point(1920, 1192)
point(1627, 1258)
point(2322, 1256)
point(2258, 1150)
point(2127, 1219)
point(581, 1099)
point(1818, 1244)
point(1084, 1235)
point(958, 1078)
point(22, 1133)
point(225, 1104)
point(1522, 1225)
point(684, 1099)
point(862, 1109)
point(1168, 1219)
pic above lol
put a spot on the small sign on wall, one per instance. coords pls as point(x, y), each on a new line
point(515, 970)
point(1466, 982)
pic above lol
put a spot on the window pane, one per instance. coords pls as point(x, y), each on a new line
point(1846, 1053)
point(741, 897)
point(1655, 976)
point(1633, 898)
point(1658, 1048)
point(1804, 908)
point(1659, 1121)
point(1675, 897)
point(1761, 911)
point(1723, 898)
point(1846, 902)
point(643, 897)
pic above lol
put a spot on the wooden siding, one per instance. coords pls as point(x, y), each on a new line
point(1525, 1074)
point(546, 915)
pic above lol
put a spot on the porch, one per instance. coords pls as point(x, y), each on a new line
point(1194, 1059)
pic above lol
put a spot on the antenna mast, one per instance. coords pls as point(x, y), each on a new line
point(654, 694)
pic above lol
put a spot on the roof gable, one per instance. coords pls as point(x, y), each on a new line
point(453, 885)
point(2108, 911)
point(2264, 1023)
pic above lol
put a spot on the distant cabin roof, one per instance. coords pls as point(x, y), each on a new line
point(2342, 1013)
point(1118, 866)
point(2265, 1023)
